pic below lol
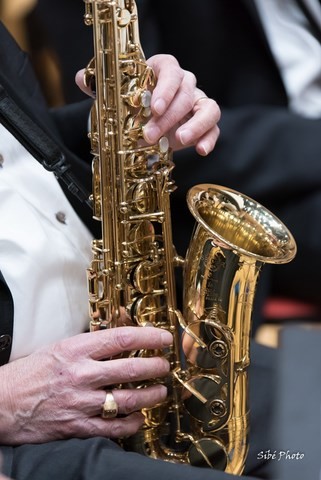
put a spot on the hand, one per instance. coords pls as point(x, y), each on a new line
point(57, 392)
point(180, 110)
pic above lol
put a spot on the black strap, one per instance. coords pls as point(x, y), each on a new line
point(315, 28)
point(6, 313)
point(39, 144)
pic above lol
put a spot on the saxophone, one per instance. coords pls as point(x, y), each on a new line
point(204, 420)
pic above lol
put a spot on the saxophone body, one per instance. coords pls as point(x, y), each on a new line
point(204, 420)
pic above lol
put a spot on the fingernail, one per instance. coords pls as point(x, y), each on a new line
point(140, 417)
point(203, 149)
point(159, 106)
point(151, 133)
point(185, 137)
point(166, 364)
point(167, 338)
point(162, 391)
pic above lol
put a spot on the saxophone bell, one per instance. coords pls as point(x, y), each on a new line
point(234, 237)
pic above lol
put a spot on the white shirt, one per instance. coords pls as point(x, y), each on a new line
point(43, 260)
point(297, 52)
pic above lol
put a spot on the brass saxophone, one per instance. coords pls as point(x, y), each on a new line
point(133, 263)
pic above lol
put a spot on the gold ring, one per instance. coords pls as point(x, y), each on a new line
point(109, 408)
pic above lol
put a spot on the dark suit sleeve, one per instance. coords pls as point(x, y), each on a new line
point(262, 150)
